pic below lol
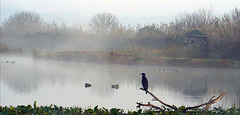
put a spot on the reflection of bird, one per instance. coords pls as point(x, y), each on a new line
point(115, 86)
point(88, 85)
point(144, 82)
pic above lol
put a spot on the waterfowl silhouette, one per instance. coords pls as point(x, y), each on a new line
point(144, 82)
point(88, 85)
point(161, 70)
point(115, 86)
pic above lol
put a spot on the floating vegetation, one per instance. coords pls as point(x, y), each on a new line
point(54, 109)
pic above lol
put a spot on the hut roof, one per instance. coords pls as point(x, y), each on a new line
point(196, 33)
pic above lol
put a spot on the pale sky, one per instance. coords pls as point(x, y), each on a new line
point(127, 11)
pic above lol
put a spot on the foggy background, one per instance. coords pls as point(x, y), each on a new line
point(27, 31)
point(85, 31)
point(129, 12)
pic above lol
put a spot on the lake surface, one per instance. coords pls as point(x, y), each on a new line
point(25, 80)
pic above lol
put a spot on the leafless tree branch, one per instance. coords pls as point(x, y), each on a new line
point(170, 106)
point(207, 104)
point(149, 104)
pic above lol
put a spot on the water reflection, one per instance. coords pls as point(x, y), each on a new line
point(63, 83)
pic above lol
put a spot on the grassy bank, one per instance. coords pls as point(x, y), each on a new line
point(54, 109)
point(143, 57)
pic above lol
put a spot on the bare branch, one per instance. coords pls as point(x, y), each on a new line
point(208, 104)
point(170, 106)
point(215, 100)
point(149, 104)
point(211, 98)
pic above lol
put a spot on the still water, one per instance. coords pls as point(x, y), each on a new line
point(25, 80)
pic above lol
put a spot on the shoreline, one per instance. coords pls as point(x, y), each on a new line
point(138, 59)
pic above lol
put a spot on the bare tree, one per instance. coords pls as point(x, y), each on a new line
point(103, 23)
point(22, 23)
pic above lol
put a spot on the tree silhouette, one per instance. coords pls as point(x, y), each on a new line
point(22, 23)
point(102, 23)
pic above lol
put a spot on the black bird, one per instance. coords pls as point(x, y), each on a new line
point(115, 86)
point(144, 82)
point(88, 85)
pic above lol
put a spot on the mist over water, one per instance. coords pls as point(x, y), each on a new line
point(62, 83)
point(51, 61)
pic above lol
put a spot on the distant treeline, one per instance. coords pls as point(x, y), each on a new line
point(28, 29)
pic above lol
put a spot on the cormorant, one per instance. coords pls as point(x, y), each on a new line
point(144, 82)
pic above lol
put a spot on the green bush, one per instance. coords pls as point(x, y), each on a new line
point(59, 110)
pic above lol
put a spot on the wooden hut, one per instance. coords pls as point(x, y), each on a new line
point(196, 42)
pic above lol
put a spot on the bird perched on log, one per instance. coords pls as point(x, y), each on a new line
point(144, 82)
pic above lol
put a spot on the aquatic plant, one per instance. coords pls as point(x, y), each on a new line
point(59, 110)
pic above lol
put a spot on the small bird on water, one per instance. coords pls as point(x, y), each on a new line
point(88, 85)
point(144, 82)
point(115, 86)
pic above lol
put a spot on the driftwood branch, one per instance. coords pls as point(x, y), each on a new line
point(170, 106)
point(211, 101)
point(149, 104)
point(207, 104)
